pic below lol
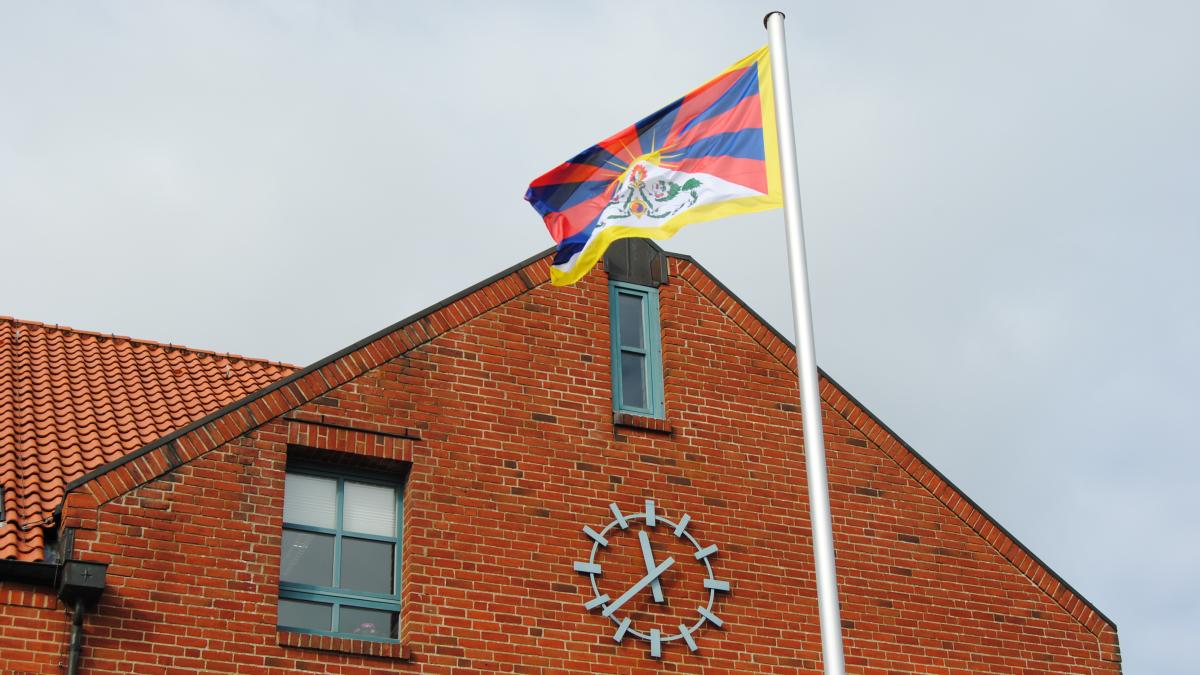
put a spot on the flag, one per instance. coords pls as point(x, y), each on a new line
point(710, 154)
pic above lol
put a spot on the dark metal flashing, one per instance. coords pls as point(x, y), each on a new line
point(893, 434)
point(279, 384)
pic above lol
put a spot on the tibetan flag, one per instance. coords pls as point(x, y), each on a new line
point(710, 154)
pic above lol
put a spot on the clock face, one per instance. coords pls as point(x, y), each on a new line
point(665, 552)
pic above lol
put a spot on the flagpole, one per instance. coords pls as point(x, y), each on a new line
point(806, 359)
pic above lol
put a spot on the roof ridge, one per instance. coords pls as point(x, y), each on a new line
point(142, 341)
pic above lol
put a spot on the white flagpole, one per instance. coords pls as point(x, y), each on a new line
point(806, 360)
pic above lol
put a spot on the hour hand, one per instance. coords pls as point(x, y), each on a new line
point(655, 586)
point(642, 583)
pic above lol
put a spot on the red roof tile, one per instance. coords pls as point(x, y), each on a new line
point(73, 400)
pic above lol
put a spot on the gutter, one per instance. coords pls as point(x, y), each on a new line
point(32, 573)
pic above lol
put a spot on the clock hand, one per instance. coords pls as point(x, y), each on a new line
point(642, 583)
point(655, 586)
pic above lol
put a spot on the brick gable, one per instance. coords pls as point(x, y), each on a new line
point(508, 427)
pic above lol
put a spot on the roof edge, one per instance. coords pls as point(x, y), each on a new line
point(293, 377)
point(875, 418)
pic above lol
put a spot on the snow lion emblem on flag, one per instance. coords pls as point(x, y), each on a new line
point(639, 197)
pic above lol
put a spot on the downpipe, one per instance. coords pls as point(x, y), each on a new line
point(76, 648)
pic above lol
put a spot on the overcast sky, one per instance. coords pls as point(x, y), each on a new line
point(1000, 202)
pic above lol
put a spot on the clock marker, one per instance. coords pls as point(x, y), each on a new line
point(655, 643)
point(683, 523)
point(687, 637)
point(651, 519)
point(716, 585)
point(713, 618)
point(620, 634)
point(620, 517)
point(595, 602)
point(596, 535)
point(705, 552)
point(587, 568)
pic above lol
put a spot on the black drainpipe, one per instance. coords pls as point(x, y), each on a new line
point(79, 586)
point(76, 649)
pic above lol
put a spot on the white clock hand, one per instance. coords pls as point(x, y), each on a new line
point(642, 583)
point(655, 586)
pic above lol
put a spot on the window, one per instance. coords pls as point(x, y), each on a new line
point(636, 356)
point(339, 568)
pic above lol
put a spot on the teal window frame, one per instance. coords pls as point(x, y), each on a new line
point(332, 595)
point(651, 349)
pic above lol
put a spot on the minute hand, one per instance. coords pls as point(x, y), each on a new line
point(655, 587)
point(644, 582)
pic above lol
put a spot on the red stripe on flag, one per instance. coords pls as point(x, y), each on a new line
point(699, 100)
point(575, 173)
point(563, 224)
point(751, 173)
point(745, 115)
point(624, 144)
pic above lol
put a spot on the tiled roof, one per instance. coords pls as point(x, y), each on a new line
point(73, 400)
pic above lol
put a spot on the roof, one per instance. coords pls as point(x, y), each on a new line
point(73, 400)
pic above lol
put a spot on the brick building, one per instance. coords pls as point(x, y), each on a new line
point(522, 478)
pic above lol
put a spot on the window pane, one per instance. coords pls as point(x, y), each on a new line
point(630, 320)
point(309, 500)
point(307, 558)
point(373, 622)
point(633, 380)
point(369, 509)
point(367, 565)
point(310, 615)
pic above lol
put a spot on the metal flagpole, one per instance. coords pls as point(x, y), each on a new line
point(806, 360)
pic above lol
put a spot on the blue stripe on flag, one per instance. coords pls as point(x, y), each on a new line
point(653, 130)
point(746, 85)
point(597, 156)
point(562, 196)
point(566, 251)
point(746, 144)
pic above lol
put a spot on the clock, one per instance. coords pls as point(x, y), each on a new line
point(650, 583)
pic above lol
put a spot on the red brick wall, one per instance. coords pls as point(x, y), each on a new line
point(33, 630)
point(507, 423)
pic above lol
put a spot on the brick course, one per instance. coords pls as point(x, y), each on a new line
point(497, 404)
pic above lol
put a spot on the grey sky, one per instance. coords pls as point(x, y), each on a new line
point(999, 198)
